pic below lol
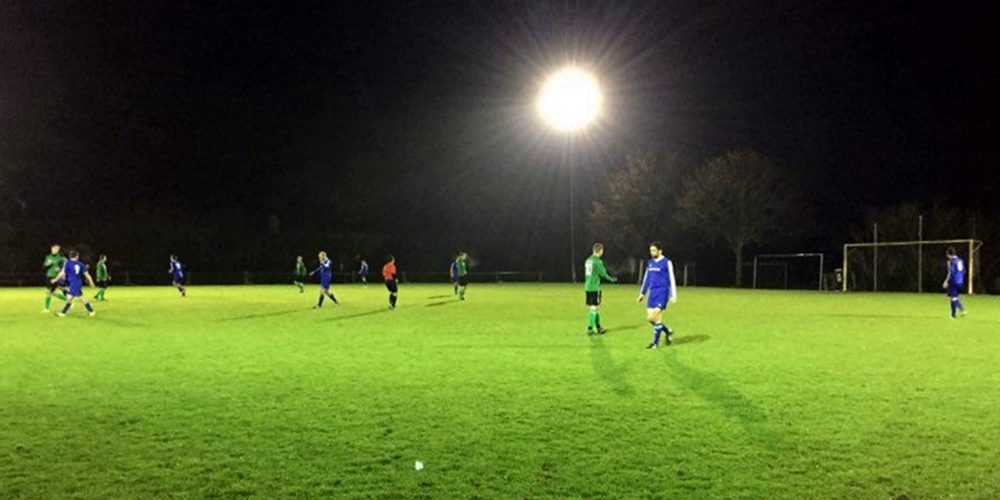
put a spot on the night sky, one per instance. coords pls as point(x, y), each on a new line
point(416, 121)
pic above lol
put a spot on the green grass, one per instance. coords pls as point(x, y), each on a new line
point(247, 391)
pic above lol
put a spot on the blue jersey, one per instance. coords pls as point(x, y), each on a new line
point(956, 271)
point(660, 277)
point(364, 269)
point(454, 271)
point(325, 270)
point(177, 269)
point(74, 270)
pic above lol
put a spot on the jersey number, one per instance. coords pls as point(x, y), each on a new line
point(588, 268)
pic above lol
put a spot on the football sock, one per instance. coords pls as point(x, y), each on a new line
point(591, 320)
point(461, 293)
point(321, 297)
point(66, 307)
point(89, 307)
point(657, 330)
point(334, 299)
point(953, 308)
point(301, 288)
point(48, 302)
point(597, 319)
point(392, 300)
point(960, 306)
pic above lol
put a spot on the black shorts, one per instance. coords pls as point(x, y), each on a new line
point(300, 279)
point(463, 280)
point(593, 298)
point(50, 286)
point(391, 286)
point(103, 283)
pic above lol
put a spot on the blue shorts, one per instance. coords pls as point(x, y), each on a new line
point(657, 298)
point(76, 289)
point(325, 282)
point(178, 278)
point(954, 290)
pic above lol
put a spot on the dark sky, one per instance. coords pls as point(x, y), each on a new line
point(416, 117)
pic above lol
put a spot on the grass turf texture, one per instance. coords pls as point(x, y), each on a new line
point(247, 391)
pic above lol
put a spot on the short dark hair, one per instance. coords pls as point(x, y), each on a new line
point(598, 247)
point(73, 254)
point(102, 256)
point(657, 244)
point(173, 257)
point(951, 252)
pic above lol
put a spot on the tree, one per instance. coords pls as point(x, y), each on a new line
point(635, 205)
point(740, 198)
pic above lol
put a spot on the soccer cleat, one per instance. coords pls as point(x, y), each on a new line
point(45, 311)
point(590, 332)
point(667, 339)
point(91, 313)
point(61, 314)
point(652, 345)
point(602, 331)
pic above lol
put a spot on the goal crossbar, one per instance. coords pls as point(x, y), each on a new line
point(972, 244)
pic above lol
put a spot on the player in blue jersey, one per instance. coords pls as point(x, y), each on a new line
point(177, 275)
point(363, 272)
point(75, 272)
point(325, 272)
point(954, 281)
point(660, 287)
point(453, 272)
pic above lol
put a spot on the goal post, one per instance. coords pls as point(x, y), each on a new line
point(914, 253)
point(771, 259)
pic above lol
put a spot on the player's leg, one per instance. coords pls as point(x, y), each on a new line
point(332, 297)
point(322, 295)
point(87, 306)
point(67, 306)
point(49, 290)
point(597, 315)
point(653, 315)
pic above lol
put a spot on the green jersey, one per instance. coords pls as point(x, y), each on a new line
point(462, 267)
point(594, 273)
point(53, 264)
point(300, 269)
point(102, 271)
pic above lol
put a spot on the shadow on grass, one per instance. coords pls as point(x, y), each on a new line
point(124, 323)
point(619, 329)
point(271, 314)
point(607, 370)
point(690, 339)
point(440, 296)
point(442, 303)
point(729, 400)
point(360, 314)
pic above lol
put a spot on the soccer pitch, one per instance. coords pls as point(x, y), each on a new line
point(247, 391)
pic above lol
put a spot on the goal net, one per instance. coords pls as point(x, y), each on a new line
point(789, 271)
point(906, 266)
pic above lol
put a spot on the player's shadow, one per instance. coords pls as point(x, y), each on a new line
point(690, 339)
point(729, 400)
point(270, 314)
point(607, 370)
point(619, 329)
point(359, 315)
point(441, 303)
point(439, 296)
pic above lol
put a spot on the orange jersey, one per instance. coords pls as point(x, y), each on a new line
point(389, 271)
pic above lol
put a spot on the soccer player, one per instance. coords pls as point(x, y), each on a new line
point(300, 274)
point(453, 272)
point(660, 285)
point(325, 271)
point(954, 281)
point(103, 278)
point(177, 274)
point(594, 274)
point(462, 273)
point(74, 272)
point(363, 272)
point(389, 275)
point(53, 264)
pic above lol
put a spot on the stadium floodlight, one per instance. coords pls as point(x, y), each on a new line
point(570, 99)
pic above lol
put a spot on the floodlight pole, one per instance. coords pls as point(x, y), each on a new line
point(572, 231)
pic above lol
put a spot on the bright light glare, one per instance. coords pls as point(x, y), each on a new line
point(569, 100)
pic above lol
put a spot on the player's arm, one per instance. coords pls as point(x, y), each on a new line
point(603, 273)
point(645, 285)
point(60, 276)
point(673, 282)
point(90, 280)
point(947, 277)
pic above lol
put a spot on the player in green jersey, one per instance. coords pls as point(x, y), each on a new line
point(300, 274)
point(53, 263)
point(594, 274)
point(462, 273)
point(103, 278)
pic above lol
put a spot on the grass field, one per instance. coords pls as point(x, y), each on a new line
point(247, 391)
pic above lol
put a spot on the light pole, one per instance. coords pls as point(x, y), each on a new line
point(569, 101)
